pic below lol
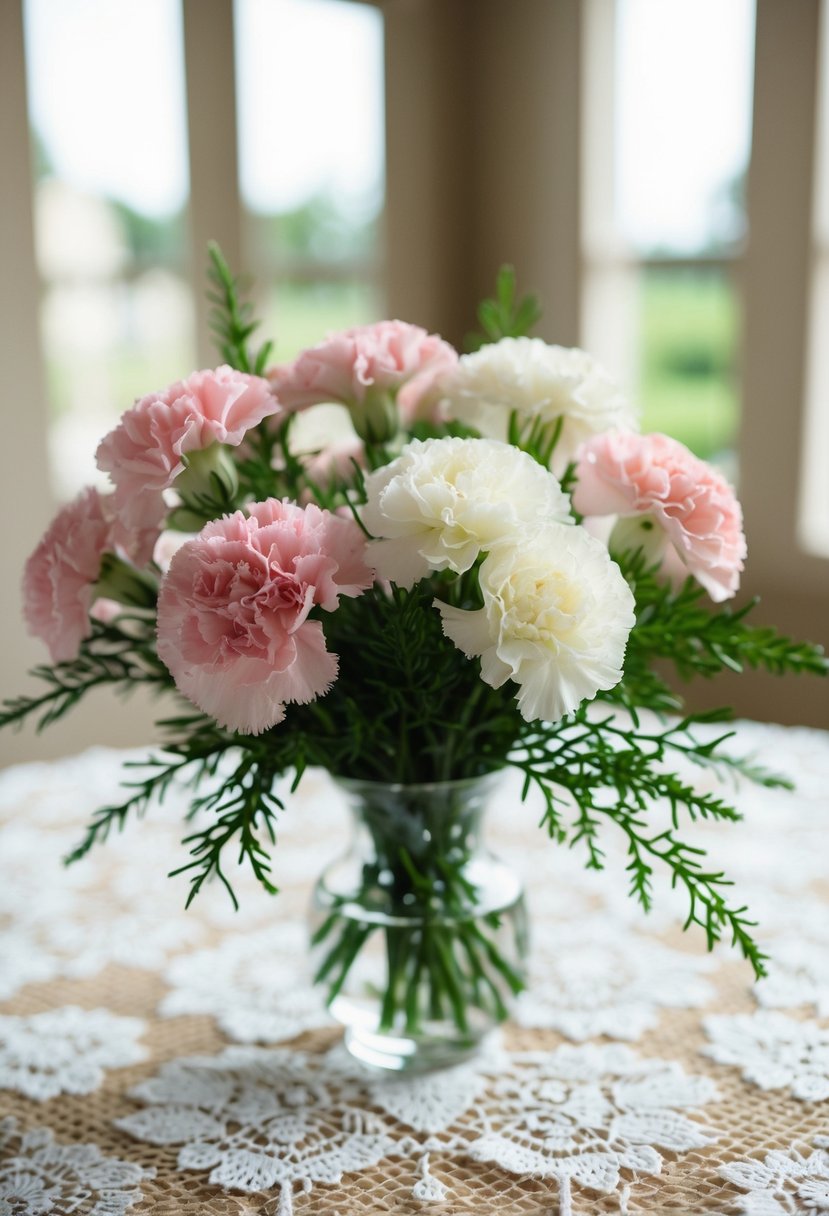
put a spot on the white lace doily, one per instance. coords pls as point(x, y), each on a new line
point(783, 1183)
point(594, 978)
point(773, 1051)
point(39, 1175)
point(256, 985)
point(257, 1119)
point(65, 1051)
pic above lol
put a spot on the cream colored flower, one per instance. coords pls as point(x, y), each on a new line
point(556, 617)
point(542, 384)
point(443, 501)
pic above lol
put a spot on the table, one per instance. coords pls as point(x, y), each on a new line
point(153, 1060)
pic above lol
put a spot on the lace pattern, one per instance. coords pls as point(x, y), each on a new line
point(641, 1074)
point(65, 1050)
point(579, 1116)
point(39, 1175)
point(783, 1183)
point(773, 1051)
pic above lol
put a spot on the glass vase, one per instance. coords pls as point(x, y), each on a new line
point(419, 933)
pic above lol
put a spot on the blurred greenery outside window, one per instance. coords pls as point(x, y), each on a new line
point(688, 373)
point(311, 164)
point(679, 208)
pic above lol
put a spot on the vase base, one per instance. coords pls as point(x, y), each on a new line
point(402, 1053)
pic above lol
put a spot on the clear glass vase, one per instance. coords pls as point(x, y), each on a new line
point(419, 933)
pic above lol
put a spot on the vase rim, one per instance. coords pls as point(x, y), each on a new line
point(357, 783)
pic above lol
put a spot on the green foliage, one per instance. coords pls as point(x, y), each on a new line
point(113, 654)
point(680, 626)
point(577, 763)
point(505, 315)
point(232, 317)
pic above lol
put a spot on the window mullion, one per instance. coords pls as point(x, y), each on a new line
point(777, 279)
point(215, 210)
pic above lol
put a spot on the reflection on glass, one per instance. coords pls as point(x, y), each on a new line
point(688, 373)
point(111, 187)
point(683, 122)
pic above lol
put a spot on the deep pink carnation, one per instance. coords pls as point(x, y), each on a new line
point(390, 356)
point(692, 504)
point(233, 610)
point(59, 576)
point(143, 453)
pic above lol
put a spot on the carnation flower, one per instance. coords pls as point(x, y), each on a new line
point(374, 370)
point(59, 577)
point(672, 504)
point(233, 610)
point(144, 453)
point(556, 617)
point(443, 501)
point(546, 387)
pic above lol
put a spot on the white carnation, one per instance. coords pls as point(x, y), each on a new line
point(541, 384)
point(556, 617)
point(443, 501)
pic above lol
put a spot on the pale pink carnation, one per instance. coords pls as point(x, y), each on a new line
point(691, 504)
point(135, 526)
point(389, 357)
point(59, 576)
point(233, 610)
point(143, 454)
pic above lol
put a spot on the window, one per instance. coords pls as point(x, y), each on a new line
point(672, 118)
point(110, 222)
point(310, 85)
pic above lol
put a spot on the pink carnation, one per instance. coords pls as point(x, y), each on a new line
point(389, 356)
point(143, 454)
point(59, 576)
point(233, 610)
point(693, 506)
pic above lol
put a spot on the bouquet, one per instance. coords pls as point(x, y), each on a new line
point(488, 567)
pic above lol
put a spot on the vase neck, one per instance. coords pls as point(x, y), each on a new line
point(419, 821)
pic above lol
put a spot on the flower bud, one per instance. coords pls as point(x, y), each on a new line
point(119, 581)
point(209, 477)
point(633, 532)
point(375, 418)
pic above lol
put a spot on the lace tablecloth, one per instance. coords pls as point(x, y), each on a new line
point(157, 1061)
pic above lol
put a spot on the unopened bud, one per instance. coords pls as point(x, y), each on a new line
point(209, 483)
point(375, 418)
point(119, 581)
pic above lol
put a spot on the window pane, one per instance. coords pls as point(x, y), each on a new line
point(683, 122)
point(688, 344)
point(111, 190)
point(311, 160)
point(299, 314)
point(668, 109)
